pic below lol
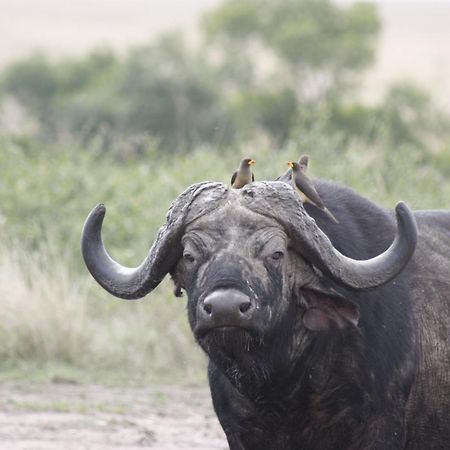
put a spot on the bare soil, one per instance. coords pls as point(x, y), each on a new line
point(66, 416)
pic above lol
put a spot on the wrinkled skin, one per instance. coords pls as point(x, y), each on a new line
point(281, 384)
point(298, 359)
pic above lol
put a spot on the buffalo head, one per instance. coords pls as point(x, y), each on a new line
point(247, 259)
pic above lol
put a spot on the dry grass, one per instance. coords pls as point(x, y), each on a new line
point(50, 315)
point(43, 313)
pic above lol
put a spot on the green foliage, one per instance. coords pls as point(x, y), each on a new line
point(171, 94)
point(273, 112)
point(309, 36)
point(52, 90)
point(315, 51)
point(321, 35)
point(265, 68)
point(163, 90)
point(405, 116)
point(31, 80)
point(411, 116)
point(235, 20)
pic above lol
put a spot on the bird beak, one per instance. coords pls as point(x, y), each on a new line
point(252, 161)
point(290, 164)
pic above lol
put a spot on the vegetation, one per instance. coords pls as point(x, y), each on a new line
point(273, 80)
point(272, 69)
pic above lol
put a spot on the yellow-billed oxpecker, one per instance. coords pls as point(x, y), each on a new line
point(304, 186)
point(243, 175)
point(303, 162)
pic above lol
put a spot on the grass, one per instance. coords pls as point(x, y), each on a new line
point(81, 407)
point(57, 325)
point(56, 322)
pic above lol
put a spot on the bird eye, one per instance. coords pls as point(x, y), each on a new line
point(188, 257)
point(277, 255)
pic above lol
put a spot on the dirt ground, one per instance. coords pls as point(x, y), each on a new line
point(64, 416)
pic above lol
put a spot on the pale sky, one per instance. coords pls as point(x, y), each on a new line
point(73, 26)
point(415, 42)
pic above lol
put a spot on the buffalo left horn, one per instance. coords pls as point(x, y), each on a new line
point(279, 200)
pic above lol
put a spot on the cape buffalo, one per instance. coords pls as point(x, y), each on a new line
point(319, 335)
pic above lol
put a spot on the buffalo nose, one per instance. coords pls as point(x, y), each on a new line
point(227, 304)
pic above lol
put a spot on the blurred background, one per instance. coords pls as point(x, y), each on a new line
point(128, 102)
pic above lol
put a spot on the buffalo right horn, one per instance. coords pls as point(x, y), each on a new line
point(133, 283)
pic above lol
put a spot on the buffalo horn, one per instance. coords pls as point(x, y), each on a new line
point(280, 201)
point(133, 283)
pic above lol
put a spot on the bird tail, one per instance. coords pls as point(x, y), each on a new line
point(330, 215)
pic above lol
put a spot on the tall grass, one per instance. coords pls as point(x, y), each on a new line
point(50, 315)
point(43, 308)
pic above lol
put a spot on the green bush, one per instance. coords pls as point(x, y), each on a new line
point(263, 68)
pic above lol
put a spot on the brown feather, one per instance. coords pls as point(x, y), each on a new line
point(306, 190)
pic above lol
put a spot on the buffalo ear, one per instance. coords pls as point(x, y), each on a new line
point(177, 278)
point(325, 311)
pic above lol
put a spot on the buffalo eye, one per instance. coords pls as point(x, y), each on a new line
point(277, 256)
point(188, 258)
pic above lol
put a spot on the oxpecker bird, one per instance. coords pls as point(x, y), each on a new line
point(303, 162)
point(243, 174)
point(304, 186)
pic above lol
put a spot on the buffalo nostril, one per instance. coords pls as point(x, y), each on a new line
point(225, 306)
point(244, 307)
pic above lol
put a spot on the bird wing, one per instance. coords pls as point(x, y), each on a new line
point(253, 176)
point(233, 177)
point(304, 184)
